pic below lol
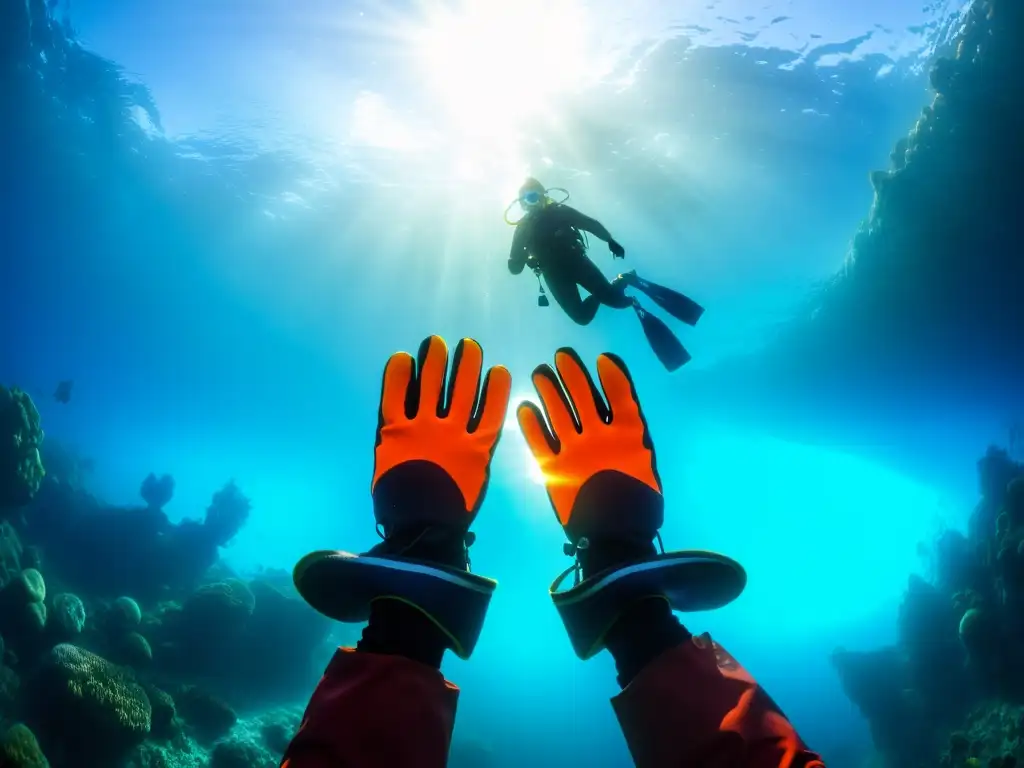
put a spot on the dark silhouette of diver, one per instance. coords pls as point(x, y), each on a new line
point(63, 392)
point(550, 240)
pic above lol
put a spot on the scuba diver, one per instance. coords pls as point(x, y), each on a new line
point(385, 703)
point(550, 240)
point(63, 392)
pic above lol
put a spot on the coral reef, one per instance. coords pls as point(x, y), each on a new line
point(19, 749)
point(240, 754)
point(218, 608)
point(124, 638)
point(141, 655)
point(157, 491)
point(88, 706)
point(103, 657)
point(21, 468)
point(208, 717)
point(993, 736)
point(11, 553)
point(10, 685)
point(124, 613)
point(134, 650)
point(271, 731)
point(64, 465)
point(67, 616)
point(249, 637)
point(23, 612)
point(958, 664)
point(164, 721)
point(84, 538)
point(226, 514)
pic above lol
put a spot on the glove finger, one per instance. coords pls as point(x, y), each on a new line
point(618, 388)
point(627, 418)
point(395, 388)
point(583, 395)
point(555, 402)
point(433, 364)
point(464, 382)
point(490, 416)
point(535, 431)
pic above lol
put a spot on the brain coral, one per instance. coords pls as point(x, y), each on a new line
point(68, 613)
point(107, 706)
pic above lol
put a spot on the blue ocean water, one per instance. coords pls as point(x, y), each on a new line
point(222, 217)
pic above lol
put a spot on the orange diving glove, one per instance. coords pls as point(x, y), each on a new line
point(601, 475)
point(435, 438)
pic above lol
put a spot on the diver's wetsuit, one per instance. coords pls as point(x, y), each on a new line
point(552, 239)
point(692, 705)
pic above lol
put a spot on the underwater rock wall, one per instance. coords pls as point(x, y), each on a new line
point(927, 308)
point(951, 690)
point(930, 302)
point(931, 271)
point(926, 316)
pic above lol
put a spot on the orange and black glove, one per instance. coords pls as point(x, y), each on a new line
point(597, 460)
point(434, 446)
point(435, 438)
point(601, 475)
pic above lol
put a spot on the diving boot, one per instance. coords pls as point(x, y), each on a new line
point(626, 278)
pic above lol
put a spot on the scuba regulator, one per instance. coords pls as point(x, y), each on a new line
point(542, 297)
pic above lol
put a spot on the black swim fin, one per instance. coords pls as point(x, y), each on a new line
point(666, 346)
point(678, 305)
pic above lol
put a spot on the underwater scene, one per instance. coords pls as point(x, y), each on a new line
point(555, 383)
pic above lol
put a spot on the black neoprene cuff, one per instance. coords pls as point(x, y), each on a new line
point(431, 545)
point(398, 629)
point(644, 631)
point(600, 555)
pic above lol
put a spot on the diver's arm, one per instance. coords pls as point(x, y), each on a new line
point(692, 704)
point(379, 709)
point(584, 222)
point(518, 254)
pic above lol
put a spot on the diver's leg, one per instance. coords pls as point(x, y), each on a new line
point(601, 290)
point(562, 285)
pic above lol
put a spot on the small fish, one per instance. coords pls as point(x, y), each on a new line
point(63, 393)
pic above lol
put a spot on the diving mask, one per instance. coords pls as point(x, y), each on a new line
point(531, 198)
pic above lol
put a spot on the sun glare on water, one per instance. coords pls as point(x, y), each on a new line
point(492, 67)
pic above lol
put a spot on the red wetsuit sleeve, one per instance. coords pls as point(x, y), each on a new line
point(371, 711)
point(696, 706)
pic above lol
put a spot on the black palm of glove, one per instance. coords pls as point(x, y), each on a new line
point(616, 248)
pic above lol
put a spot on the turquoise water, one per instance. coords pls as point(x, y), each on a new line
point(314, 188)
